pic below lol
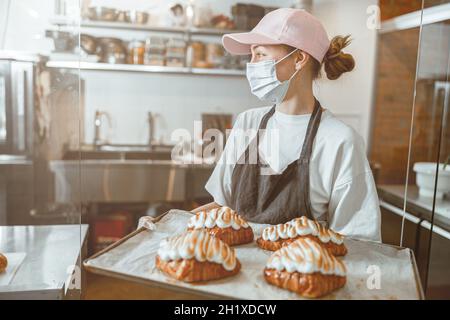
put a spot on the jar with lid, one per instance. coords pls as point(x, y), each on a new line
point(176, 53)
point(136, 52)
point(155, 51)
point(214, 55)
point(176, 46)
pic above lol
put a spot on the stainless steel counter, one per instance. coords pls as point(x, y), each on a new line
point(417, 205)
point(7, 160)
point(51, 251)
point(128, 180)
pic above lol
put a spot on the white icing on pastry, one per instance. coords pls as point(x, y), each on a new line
point(222, 217)
point(306, 256)
point(301, 227)
point(200, 245)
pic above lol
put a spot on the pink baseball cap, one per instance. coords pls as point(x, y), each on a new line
point(293, 27)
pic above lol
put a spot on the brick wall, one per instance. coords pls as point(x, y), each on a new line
point(397, 55)
point(393, 8)
point(395, 83)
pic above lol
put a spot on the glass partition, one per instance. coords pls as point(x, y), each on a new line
point(428, 179)
point(41, 234)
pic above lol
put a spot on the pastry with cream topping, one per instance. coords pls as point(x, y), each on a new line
point(223, 223)
point(307, 268)
point(274, 237)
point(197, 256)
point(3, 263)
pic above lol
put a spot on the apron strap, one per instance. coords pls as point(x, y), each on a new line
point(303, 161)
point(254, 144)
point(311, 132)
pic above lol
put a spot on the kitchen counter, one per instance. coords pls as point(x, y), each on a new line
point(129, 180)
point(119, 162)
point(417, 205)
point(50, 251)
point(7, 160)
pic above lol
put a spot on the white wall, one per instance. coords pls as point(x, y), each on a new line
point(350, 96)
point(180, 99)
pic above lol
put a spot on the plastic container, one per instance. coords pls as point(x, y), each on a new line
point(425, 176)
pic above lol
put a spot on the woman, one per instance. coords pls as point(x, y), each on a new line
point(303, 161)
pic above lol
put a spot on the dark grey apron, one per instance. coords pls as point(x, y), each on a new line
point(275, 198)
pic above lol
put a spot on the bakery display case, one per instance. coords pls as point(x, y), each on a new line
point(42, 241)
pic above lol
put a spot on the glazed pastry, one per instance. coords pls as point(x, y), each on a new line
point(305, 267)
point(274, 237)
point(196, 256)
point(223, 223)
point(3, 263)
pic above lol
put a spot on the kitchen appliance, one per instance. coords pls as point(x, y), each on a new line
point(39, 117)
point(16, 106)
point(16, 123)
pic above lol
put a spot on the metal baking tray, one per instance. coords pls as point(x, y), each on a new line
point(94, 264)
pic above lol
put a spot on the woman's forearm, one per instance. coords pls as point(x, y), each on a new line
point(207, 206)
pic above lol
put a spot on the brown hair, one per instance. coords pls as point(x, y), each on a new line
point(335, 61)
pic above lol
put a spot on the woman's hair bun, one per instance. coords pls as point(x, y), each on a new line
point(337, 62)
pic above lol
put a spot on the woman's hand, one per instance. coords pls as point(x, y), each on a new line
point(205, 207)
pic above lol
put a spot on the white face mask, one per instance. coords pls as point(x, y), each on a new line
point(262, 77)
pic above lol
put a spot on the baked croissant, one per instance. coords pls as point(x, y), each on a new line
point(274, 237)
point(306, 268)
point(3, 263)
point(196, 256)
point(223, 223)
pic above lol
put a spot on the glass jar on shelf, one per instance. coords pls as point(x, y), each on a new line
point(155, 60)
point(136, 52)
point(176, 46)
point(215, 55)
point(155, 45)
point(155, 51)
point(176, 52)
point(197, 54)
point(176, 60)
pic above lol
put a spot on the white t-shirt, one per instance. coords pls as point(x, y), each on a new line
point(342, 189)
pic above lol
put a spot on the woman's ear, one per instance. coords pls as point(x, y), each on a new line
point(301, 58)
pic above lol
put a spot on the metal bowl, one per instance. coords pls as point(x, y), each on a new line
point(64, 41)
point(113, 50)
point(102, 14)
point(88, 43)
point(123, 16)
point(138, 17)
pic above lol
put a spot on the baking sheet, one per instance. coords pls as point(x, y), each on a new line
point(135, 258)
point(15, 259)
